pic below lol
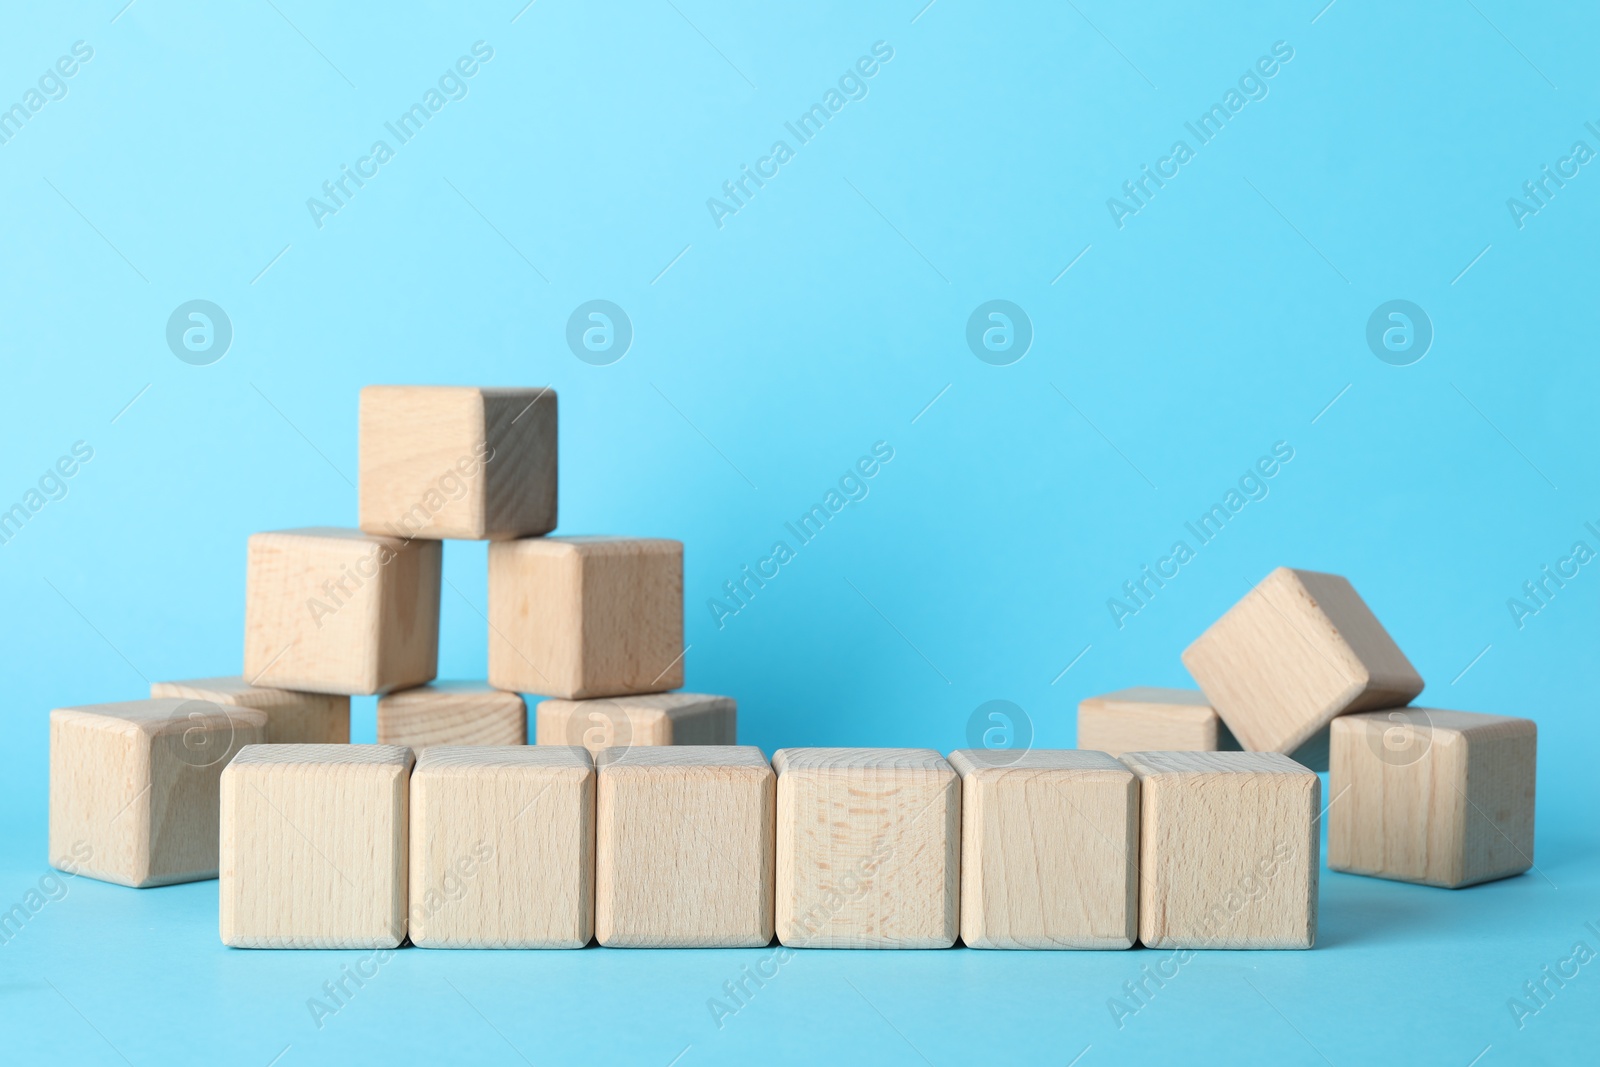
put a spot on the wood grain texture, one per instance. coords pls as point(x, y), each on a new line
point(502, 847)
point(134, 786)
point(582, 617)
point(650, 719)
point(1228, 850)
point(452, 713)
point(293, 718)
point(869, 848)
point(330, 610)
point(1146, 719)
point(1049, 849)
point(1301, 648)
point(684, 847)
point(457, 462)
point(1438, 797)
point(314, 846)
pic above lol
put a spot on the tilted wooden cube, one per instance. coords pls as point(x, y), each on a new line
point(580, 617)
point(1298, 650)
point(314, 841)
point(684, 847)
point(1147, 719)
point(869, 848)
point(502, 847)
point(134, 786)
point(330, 610)
point(1049, 849)
point(1228, 850)
point(1438, 797)
point(651, 719)
point(457, 462)
point(293, 718)
point(452, 713)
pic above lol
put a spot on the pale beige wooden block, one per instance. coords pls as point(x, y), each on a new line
point(869, 848)
point(293, 718)
point(314, 841)
point(580, 617)
point(1049, 849)
point(1299, 649)
point(134, 786)
point(502, 847)
point(457, 462)
point(452, 713)
point(684, 847)
point(651, 719)
point(1148, 719)
point(330, 610)
point(1425, 795)
point(1228, 850)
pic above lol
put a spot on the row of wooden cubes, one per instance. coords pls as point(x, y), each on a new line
point(712, 846)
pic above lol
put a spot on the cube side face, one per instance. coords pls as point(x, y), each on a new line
point(502, 857)
point(1499, 816)
point(314, 856)
point(535, 619)
point(868, 858)
point(422, 717)
point(1391, 679)
point(685, 856)
point(632, 620)
point(601, 724)
point(187, 758)
point(1048, 859)
point(1228, 860)
point(1117, 727)
point(714, 723)
point(408, 617)
point(520, 469)
point(422, 470)
point(303, 628)
point(99, 797)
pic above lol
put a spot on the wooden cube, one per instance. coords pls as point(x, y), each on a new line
point(455, 462)
point(1438, 797)
point(502, 847)
point(869, 848)
point(1049, 849)
point(339, 611)
point(314, 846)
point(134, 786)
point(652, 719)
point(1146, 719)
point(684, 847)
point(1298, 650)
point(292, 718)
point(1228, 850)
point(452, 713)
point(580, 617)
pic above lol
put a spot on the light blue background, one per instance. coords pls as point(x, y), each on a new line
point(823, 317)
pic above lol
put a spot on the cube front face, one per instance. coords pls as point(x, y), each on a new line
point(1228, 850)
point(1049, 851)
point(578, 618)
point(502, 848)
point(1431, 796)
point(314, 847)
point(453, 462)
point(293, 718)
point(653, 719)
point(1151, 720)
point(337, 611)
point(1298, 650)
point(452, 713)
point(685, 848)
point(869, 847)
point(134, 787)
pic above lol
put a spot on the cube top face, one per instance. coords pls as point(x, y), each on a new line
point(987, 763)
point(647, 719)
point(354, 759)
point(225, 690)
point(448, 760)
point(872, 760)
point(682, 759)
point(1297, 650)
point(1228, 850)
point(292, 718)
point(1149, 694)
point(1149, 719)
point(1431, 796)
point(339, 611)
point(452, 713)
point(160, 716)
